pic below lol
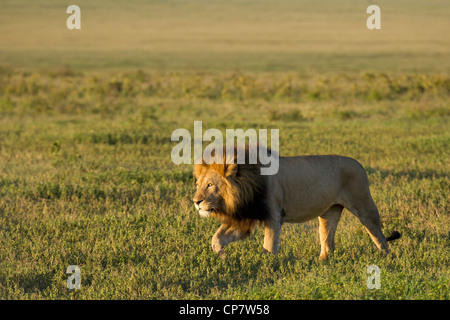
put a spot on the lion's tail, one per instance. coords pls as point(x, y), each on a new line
point(394, 236)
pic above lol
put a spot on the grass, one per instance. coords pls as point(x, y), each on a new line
point(86, 179)
point(85, 123)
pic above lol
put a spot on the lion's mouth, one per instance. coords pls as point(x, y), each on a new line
point(203, 212)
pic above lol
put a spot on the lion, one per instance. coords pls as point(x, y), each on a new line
point(304, 188)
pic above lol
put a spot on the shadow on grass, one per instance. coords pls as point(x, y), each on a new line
point(409, 174)
point(31, 283)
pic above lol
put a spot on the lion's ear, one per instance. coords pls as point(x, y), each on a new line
point(231, 170)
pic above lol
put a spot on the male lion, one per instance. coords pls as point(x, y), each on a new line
point(304, 188)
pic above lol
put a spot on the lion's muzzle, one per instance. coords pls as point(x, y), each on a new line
point(200, 207)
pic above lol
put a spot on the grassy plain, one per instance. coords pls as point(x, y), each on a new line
point(86, 118)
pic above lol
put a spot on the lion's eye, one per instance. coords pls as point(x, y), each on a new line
point(210, 185)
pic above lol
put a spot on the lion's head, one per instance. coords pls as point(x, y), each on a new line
point(233, 193)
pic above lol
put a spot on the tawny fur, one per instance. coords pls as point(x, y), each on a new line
point(304, 188)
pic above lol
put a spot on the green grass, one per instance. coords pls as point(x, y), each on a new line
point(86, 179)
point(85, 124)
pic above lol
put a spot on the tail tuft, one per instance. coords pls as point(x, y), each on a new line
point(394, 236)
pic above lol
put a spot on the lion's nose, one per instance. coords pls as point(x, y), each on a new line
point(198, 201)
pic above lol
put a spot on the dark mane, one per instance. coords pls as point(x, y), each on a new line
point(246, 195)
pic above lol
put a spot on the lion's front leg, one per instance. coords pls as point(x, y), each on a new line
point(272, 235)
point(217, 242)
point(224, 236)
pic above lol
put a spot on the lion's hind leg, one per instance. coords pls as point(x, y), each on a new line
point(356, 197)
point(367, 212)
point(327, 229)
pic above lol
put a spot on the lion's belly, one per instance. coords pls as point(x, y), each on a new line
point(297, 211)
